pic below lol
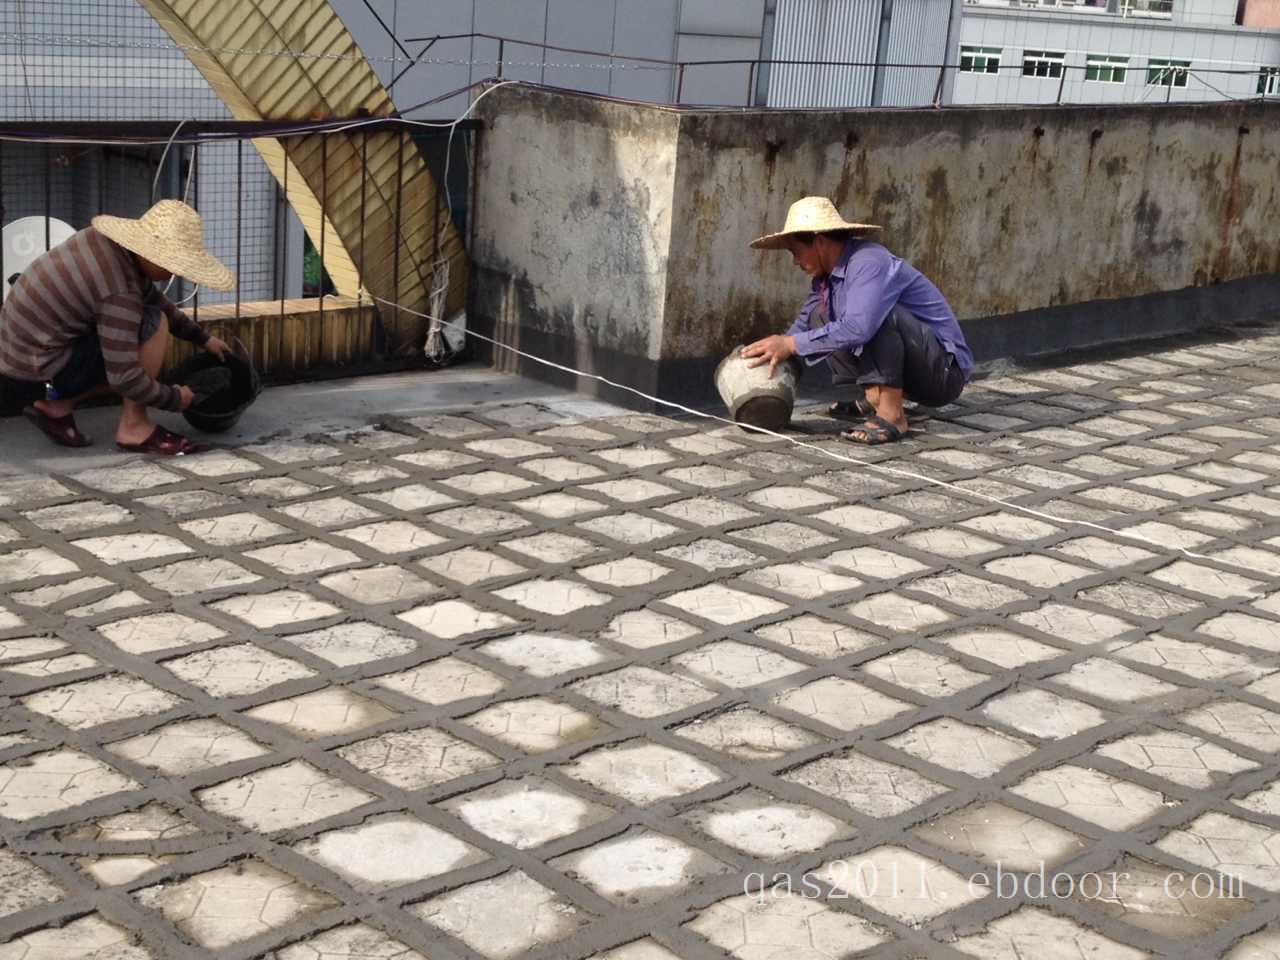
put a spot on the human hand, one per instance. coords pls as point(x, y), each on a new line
point(771, 350)
point(217, 347)
point(186, 397)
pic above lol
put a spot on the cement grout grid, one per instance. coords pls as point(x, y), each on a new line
point(620, 727)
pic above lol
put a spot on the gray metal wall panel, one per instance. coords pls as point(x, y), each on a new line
point(524, 21)
point(740, 18)
point(432, 77)
point(713, 84)
point(645, 28)
point(917, 34)
point(844, 30)
point(586, 25)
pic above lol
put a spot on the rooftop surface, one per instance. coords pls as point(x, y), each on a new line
point(535, 676)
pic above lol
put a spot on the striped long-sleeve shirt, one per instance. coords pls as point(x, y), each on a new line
point(88, 284)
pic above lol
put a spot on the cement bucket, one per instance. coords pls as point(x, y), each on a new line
point(752, 398)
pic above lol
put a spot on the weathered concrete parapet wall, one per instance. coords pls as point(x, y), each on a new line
point(572, 231)
point(1046, 228)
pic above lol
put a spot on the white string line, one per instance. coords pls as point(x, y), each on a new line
point(894, 471)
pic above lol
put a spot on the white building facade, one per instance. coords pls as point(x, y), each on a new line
point(1112, 51)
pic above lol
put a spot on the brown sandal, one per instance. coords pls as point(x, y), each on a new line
point(164, 443)
point(61, 430)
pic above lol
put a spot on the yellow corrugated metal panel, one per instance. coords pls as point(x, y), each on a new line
point(368, 199)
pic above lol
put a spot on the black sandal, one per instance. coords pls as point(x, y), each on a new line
point(164, 443)
point(61, 430)
point(875, 431)
point(858, 409)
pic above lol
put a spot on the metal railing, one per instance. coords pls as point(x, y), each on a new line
point(73, 171)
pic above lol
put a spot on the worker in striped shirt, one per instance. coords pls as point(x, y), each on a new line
point(85, 319)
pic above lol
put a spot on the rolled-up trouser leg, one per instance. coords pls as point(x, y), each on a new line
point(904, 353)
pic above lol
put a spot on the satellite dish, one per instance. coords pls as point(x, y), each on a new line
point(23, 240)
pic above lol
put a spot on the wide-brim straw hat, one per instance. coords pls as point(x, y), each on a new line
point(170, 235)
point(810, 215)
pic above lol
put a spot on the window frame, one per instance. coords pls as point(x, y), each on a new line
point(1046, 58)
point(1269, 82)
point(1176, 72)
point(990, 58)
point(1095, 64)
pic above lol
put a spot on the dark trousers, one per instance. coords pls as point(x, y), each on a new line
point(904, 353)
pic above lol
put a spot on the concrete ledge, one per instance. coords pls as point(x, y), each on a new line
point(614, 235)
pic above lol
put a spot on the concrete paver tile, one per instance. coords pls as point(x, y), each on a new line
point(747, 734)
point(159, 631)
point(765, 827)
point(93, 702)
point(642, 772)
point(1180, 757)
point(88, 938)
point(900, 883)
point(1152, 897)
point(356, 942)
point(841, 703)
point(353, 643)
point(870, 786)
point(1033, 932)
point(1091, 795)
point(1230, 846)
point(545, 655)
point(189, 746)
point(416, 759)
point(639, 868)
point(525, 813)
point(236, 670)
point(443, 681)
point(751, 927)
point(977, 751)
point(535, 724)
point(280, 798)
point(1043, 714)
point(995, 834)
point(817, 637)
point(52, 782)
point(389, 851)
point(643, 691)
point(531, 915)
point(324, 713)
point(222, 907)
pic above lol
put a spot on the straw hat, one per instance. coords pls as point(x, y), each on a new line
point(170, 235)
point(810, 215)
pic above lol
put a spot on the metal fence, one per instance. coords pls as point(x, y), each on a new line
point(72, 172)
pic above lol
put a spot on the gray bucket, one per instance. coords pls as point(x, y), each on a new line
point(752, 398)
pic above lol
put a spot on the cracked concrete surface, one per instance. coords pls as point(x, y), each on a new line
point(551, 679)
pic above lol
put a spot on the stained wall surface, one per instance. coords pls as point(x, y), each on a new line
point(1012, 212)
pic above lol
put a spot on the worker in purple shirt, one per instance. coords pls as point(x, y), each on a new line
point(873, 317)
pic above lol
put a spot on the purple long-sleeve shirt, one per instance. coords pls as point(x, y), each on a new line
point(865, 284)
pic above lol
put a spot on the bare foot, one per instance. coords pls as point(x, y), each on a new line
point(134, 432)
point(56, 409)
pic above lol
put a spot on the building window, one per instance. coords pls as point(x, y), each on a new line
point(1105, 68)
point(1042, 63)
point(980, 59)
point(1167, 73)
point(1269, 82)
point(1146, 8)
